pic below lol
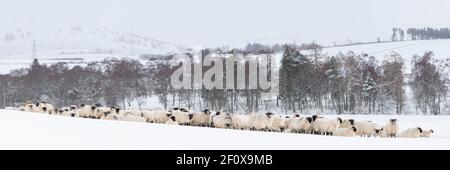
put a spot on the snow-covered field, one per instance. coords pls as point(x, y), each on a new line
point(22, 130)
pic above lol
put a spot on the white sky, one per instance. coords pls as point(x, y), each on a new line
point(234, 22)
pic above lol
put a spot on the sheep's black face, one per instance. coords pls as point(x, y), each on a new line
point(354, 129)
point(82, 105)
point(352, 122)
point(340, 120)
point(269, 114)
point(309, 119)
point(286, 117)
point(297, 115)
point(176, 108)
point(117, 110)
point(66, 110)
point(60, 111)
point(393, 121)
point(107, 113)
point(168, 114)
point(206, 111)
point(72, 115)
point(217, 113)
point(73, 108)
point(420, 130)
point(44, 109)
point(432, 131)
point(314, 117)
point(37, 104)
point(173, 118)
point(190, 116)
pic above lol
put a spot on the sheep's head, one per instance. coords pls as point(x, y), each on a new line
point(117, 110)
point(352, 122)
point(420, 129)
point(309, 119)
point(60, 111)
point(339, 120)
point(173, 118)
point(431, 131)
point(354, 129)
point(44, 109)
point(82, 105)
point(190, 116)
point(73, 107)
point(98, 105)
point(314, 117)
point(393, 121)
point(183, 110)
point(269, 114)
point(93, 108)
point(207, 112)
point(217, 113)
point(296, 115)
point(168, 114)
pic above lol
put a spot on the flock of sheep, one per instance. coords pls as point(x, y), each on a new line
point(315, 124)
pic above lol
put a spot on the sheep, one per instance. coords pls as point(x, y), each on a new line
point(390, 129)
point(426, 133)
point(240, 122)
point(157, 116)
point(346, 132)
point(411, 133)
point(99, 112)
point(298, 124)
point(277, 124)
point(326, 126)
point(347, 123)
point(172, 121)
point(132, 118)
point(86, 111)
point(200, 118)
point(221, 120)
point(260, 121)
point(366, 128)
point(46, 107)
point(181, 115)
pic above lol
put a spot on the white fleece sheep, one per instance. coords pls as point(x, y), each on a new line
point(260, 121)
point(172, 121)
point(426, 133)
point(240, 122)
point(411, 133)
point(182, 116)
point(200, 118)
point(347, 123)
point(346, 132)
point(221, 120)
point(390, 129)
point(157, 116)
point(326, 126)
point(132, 118)
point(99, 112)
point(86, 111)
point(277, 124)
point(46, 107)
point(297, 124)
point(366, 128)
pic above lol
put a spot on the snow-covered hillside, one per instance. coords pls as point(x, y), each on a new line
point(22, 130)
point(73, 44)
point(407, 49)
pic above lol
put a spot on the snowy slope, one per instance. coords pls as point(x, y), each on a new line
point(73, 44)
point(21, 130)
point(407, 49)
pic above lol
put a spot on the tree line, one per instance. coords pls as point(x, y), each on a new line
point(309, 81)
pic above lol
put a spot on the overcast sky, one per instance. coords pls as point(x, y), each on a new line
point(232, 22)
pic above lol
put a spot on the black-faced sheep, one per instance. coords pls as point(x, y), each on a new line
point(426, 133)
point(221, 120)
point(172, 121)
point(366, 128)
point(390, 129)
point(326, 126)
point(346, 132)
point(200, 118)
point(277, 124)
point(260, 122)
point(411, 133)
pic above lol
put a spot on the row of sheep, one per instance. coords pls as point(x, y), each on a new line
point(315, 124)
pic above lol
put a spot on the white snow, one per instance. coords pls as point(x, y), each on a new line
point(22, 130)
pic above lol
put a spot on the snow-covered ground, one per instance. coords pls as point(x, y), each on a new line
point(22, 130)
